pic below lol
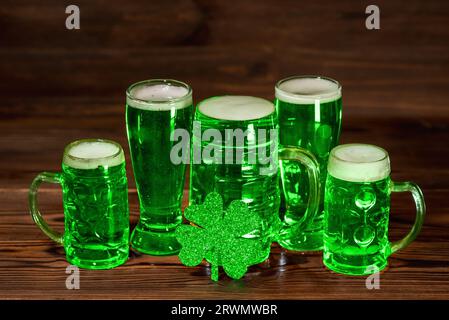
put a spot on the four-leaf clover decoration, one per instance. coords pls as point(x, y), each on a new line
point(228, 238)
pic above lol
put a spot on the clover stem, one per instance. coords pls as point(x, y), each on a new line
point(214, 272)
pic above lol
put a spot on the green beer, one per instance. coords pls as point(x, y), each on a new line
point(235, 167)
point(309, 110)
point(154, 110)
point(95, 196)
point(357, 206)
point(235, 153)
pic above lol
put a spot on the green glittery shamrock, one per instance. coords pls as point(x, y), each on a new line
point(224, 238)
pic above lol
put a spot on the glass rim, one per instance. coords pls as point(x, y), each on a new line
point(278, 84)
point(178, 83)
point(333, 151)
point(77, 142)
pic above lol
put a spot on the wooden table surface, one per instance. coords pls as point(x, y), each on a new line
point(58, 85)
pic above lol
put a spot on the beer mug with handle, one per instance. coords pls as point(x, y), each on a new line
point(309, 110)
point(155, 110)
point(357, 209)
point(235, 153)
point(95, 198)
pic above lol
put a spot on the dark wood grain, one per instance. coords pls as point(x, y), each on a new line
point(58, 85)
point(33, 267)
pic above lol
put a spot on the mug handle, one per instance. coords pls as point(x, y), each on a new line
point(313, 172)
point(420, 213)
point(49, 177)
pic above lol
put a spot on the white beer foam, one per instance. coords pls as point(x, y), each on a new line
point(307, 90)
point(92, 154)
point(159, 97)
point(359, 163)
point(236, 108)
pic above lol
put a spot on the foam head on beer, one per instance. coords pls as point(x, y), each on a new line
point(306, 90)
point(159, 96)
point(359, 163)
point(90, 154)
point(236, 108)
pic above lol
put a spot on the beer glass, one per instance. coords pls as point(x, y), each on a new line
point(235, 153)
point(95, 198)
point(309, 110)
point(357, 208)
point(154, 110)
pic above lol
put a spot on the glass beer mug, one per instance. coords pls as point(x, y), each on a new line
point(95, 197)
point(235, 153)
point(309, 110)
point(357, 208)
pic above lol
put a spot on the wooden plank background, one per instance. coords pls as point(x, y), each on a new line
point(58, 85)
